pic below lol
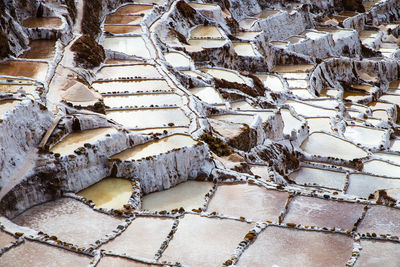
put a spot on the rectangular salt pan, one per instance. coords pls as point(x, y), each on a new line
point(150, 118)
point(156, 147)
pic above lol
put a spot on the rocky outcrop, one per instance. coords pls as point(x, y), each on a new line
point(354, 5)
point(166, 170)
point(22, 129)
point(88, 53)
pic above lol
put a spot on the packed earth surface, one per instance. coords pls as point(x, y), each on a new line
point(214, 133)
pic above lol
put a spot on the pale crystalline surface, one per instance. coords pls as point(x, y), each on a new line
point(156, 147)
point(327, 145)
point(134, 46)
point(249, 201)
point(284, 247)
point(202, 241)
point(142, 239)
point(381, 220)
point(37, 255)
point(379, 167)
point(108, 261)
point(377, 253)
point(84, 225)
point(135, 86)
point(323, 213)
point(6, 239)
point(363, 185)
point(188, 195)
point(149, 118)
point(319, 177)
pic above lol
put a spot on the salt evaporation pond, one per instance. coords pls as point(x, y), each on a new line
point(188, 195)
point(132, 87)
point(244, 49)
point(326, 145)
point(123, 29)
point(227, 75)
point(208, 94)
point(363, 185)
point(272, 82)
point(123, 19)
point(308, 110)
point(149, 118)
point(140, 70)
point(205, 32)
point(319, 124)
point(77, 139)
point(319, 177)
point(290, 122)
point(109, 193)
point(31, 69)
point(134, 46)
point(367, 136)
point(133, 9)
point(44, 22)
point(177, 60)
point(379, 167)
point(40, 49)
point(143, 100)
point(153, 148)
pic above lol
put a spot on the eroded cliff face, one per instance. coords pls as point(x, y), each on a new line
point(291, 103)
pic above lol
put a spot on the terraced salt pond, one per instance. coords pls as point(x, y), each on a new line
point(177, 60)
point(249, 201)
point(189, 195)
point(149, 118)
point(389, 157)
point(307, 110)
point(271, 81)
point(244, 49)
point(208, 95)
point(7, 105)
point(31, 69)
point(109, 193)
point(283, 247)
point(326, 145)
point(156, 147)
point(248, 35)
point(133, 46)
point(319, 177)
point(126, 71)
point(145, 100)
point(227, 75)
point(123, 29)
point(40, 49)
point(235, 118)
point(75, 140)
point(84, 226)
point(290, 122)
point(379, 167)
point(366, 136)
point(133, 87)
point(12, 88)
point(319, 124)
point(199, 44)
point(123, 19)
point(44, 22)
point(363, 185)
point(205, 32)
point(133, 9)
